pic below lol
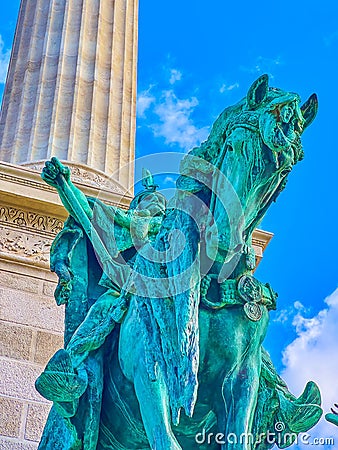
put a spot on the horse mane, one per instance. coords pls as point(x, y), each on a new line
point(209, 149)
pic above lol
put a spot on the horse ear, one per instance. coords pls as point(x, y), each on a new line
point(309, 110)
point(258, 91)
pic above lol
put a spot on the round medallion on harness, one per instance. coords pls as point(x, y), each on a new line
point(253, 311)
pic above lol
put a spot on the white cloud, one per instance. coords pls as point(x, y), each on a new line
point(299, 306)
point(284, 315)
point(175, 75)
point(4, 61)
point(169, 180)
point(144, 101)
point(169, 116)
point(313, 355)
point(227, 88)
point(176, 124)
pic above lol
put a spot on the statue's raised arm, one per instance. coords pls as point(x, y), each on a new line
point(57, 175)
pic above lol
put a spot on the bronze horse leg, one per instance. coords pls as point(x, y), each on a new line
point(233, 352)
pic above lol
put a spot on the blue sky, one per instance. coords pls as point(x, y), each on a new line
point(196, 58)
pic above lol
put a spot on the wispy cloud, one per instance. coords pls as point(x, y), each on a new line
point(228, 87)
point(144, 102)
point(175, 75)
point(175, 122)
point(170, 116)
point(285, 315)
point(4, 60)
point(263, 64)
point(313, 356)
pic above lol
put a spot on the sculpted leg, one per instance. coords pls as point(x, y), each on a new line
point(240, 393)
point(98, 324)
point(65, 378)
point(152, 396)
point(154, 406)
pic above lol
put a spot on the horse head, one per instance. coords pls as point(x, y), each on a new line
point(248, 155)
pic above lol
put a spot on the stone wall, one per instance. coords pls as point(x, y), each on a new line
point(30, 332)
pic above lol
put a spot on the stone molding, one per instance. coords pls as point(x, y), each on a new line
point(260, 240)
point(24, 184)
point(84, 175)
point(9, 178)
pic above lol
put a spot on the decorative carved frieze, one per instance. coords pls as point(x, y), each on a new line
point(85, 176)
point(22, 219)
point(15, 243)
point(27, 236)
point(81, 175)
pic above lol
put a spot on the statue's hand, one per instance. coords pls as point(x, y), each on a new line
point(52, 169)
point(123, 218)
point(62, 293)
point(64, 287)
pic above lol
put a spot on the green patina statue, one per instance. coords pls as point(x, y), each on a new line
point(163, 314)
point(333, 416)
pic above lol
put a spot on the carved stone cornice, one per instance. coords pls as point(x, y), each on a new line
point(84, 175)
point(24, 185)
point(260, 240)
point(10, 178)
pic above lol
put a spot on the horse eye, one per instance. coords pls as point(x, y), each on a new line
point(298, 126)
point(276, 112)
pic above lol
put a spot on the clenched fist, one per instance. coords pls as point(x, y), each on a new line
point(52, 169)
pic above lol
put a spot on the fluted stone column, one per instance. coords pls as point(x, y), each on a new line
point(71, 86)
